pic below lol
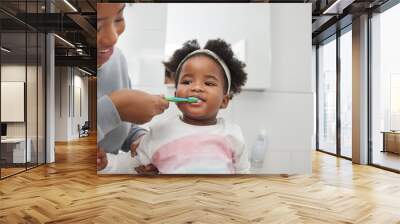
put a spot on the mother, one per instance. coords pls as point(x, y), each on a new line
point(119, 108)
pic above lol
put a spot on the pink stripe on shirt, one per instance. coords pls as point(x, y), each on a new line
point(200, 153)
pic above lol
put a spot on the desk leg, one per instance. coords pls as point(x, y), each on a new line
point(384, 142)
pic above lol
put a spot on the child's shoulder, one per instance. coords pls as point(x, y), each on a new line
point(232, 131)
point(165, 123)
point(229, 126)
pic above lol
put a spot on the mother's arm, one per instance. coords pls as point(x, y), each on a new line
point(133, 138)
point(108, 117)
point(127, 105)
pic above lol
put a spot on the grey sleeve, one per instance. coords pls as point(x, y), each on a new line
point(107, 118)
point(135, 130)
point(133, 134)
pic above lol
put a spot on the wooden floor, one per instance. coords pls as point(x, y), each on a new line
point(5, 172)
point(69, 191)
point(10, 171)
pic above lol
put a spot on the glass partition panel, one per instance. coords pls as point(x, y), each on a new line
point(385, 87)
point(22, 67)
point(31, 99)
point(14, 152)
point(41, 99)
point(346, 94)
point(327, 96)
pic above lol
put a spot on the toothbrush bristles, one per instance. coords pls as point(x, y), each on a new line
point(192, 100)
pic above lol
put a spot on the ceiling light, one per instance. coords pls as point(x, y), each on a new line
point(338, 6)
point(84, 71)
point(5, 50)
point(70, 5)
point(64, 40)
point(79, 51)
point(329, 9)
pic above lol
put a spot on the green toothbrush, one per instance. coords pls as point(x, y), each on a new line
point(181, 99)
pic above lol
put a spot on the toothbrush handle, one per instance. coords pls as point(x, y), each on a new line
point(175, 99)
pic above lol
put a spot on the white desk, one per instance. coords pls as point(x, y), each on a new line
point(18, 149)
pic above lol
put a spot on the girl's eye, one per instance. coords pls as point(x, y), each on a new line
point(119, 20)
point(210, 84)
point(186, 82)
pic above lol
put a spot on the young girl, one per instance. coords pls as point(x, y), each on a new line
point(197, 142)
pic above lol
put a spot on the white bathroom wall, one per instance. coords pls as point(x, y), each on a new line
point(238, 24)
point(143, 42)
point(154, 31)
point(285, 110)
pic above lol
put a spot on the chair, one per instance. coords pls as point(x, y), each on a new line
point(84, 130)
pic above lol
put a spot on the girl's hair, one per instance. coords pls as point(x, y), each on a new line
point(223, 50)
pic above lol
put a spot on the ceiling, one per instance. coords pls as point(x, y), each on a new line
point(333, 15)
point(72, 20)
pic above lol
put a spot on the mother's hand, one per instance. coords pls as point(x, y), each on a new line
point(134, 145)
point(137, 106)
point(101, 159)
point(149, 169)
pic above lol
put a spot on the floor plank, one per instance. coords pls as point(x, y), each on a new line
point(69, 191)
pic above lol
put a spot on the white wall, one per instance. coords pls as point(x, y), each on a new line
point(285, 110)
point(12, 101)
point(234, 23)
point(80, 83)
point(17, 73)
point(66, 120)
point(164, 27)
point(14, 73)
point(61, 103)
point(143, 42)
point(314, 86)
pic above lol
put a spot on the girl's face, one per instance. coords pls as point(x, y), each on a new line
point(110, 24)
point(203, 78)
